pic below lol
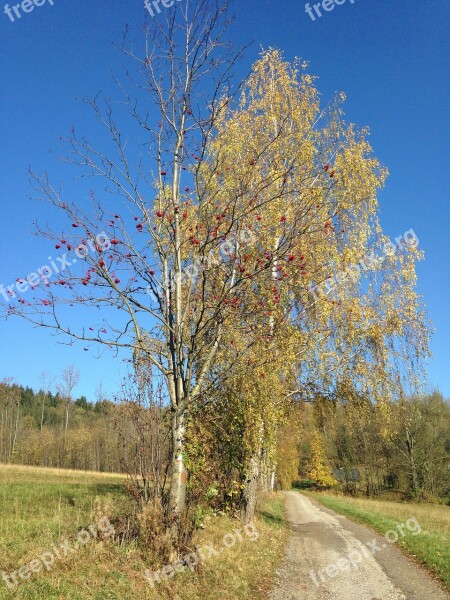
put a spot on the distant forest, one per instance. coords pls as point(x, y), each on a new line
point(33, 430)
point(345, 441)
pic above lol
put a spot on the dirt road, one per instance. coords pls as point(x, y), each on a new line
point(329, 557)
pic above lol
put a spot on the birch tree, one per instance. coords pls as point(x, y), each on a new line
point(214, 214)
point(69, 380)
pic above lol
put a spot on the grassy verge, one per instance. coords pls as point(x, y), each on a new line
point(42, 507)
point(431, 546)
point(242, 572)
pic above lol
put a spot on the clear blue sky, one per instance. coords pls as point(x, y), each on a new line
point(390, 57)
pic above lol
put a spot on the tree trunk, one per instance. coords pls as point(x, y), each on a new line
point(177, 501)
point(266, 471)
point(414, 487)
point(272, 478)
point(43, 410)
point(16, 428)
point(2, 452)
point(66, 426)
point(251, 490)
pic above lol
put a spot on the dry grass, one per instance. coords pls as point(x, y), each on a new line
point(39, 507)
point(432, 517)
point(10, 473)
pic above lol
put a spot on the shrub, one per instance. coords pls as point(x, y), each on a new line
point(304, 484)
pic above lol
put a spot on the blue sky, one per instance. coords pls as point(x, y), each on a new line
point(391, 59)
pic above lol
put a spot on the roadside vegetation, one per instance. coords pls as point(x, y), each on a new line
point(42, 507)
point(398, 450)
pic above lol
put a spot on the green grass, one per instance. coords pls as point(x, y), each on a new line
point(431, 546)
point(40, 507)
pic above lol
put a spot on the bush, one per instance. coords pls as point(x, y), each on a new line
point(304, 484)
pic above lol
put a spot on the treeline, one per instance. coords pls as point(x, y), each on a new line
point(33, 430)
point(346, 441)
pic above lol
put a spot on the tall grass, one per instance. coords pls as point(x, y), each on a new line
point(39, 507)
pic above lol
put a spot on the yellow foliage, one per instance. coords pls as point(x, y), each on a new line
point(318, 470)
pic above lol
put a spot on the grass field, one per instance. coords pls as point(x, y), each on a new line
point(431, 546)
point(40, 508)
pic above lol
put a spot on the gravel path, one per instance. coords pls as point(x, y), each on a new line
point(329, 557)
